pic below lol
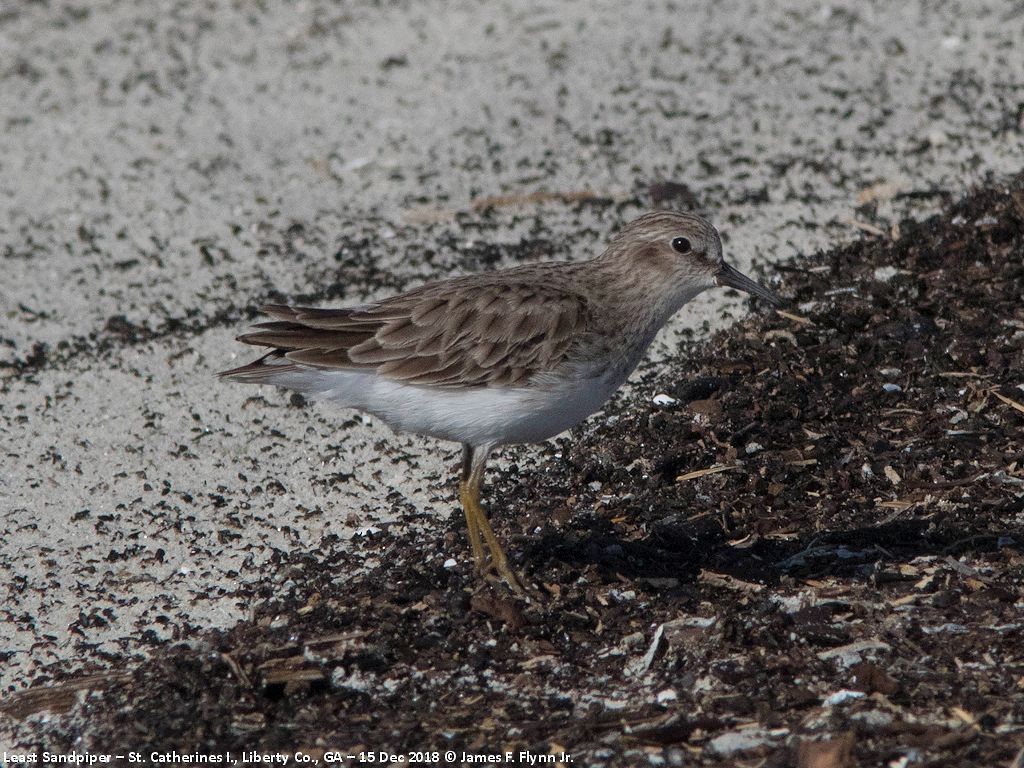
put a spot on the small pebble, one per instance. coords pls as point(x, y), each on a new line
point(873, 719)
point(450, 562)
point(663, 400)
point(885, 274)
point(841, 697)
point(732, 742)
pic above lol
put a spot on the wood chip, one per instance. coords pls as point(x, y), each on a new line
point(637, 667)
point(905, 600)
point(964, 715)
point(726, 581)
point(850, 649)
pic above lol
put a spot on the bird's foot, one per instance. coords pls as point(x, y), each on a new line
point(500, 575)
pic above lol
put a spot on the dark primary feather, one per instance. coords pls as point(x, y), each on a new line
point(466, 332)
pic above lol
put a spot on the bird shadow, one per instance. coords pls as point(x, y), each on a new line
point(682, 551)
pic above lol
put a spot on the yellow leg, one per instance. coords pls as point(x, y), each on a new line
point(498, 558)
point(476, 519)
point(474, 531)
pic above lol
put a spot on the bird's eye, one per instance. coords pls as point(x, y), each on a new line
point(681, 245)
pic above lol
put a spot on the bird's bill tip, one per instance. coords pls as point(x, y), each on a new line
point(730, 277)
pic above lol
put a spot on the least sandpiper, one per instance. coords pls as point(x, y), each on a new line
point(513, 356)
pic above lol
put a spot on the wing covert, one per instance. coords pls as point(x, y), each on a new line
point(456, 334)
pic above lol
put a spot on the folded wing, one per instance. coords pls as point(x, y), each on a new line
point(461, 333)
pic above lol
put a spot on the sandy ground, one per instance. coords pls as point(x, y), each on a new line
point(164, 168)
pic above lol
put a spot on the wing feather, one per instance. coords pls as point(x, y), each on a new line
point(467, 332)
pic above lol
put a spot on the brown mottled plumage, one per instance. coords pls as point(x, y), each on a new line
point(516, 355)
point(467, 332)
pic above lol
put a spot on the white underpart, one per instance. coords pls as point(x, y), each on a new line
point(478, 416)
point(486, 416)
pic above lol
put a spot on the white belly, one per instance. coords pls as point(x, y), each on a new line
point(478, 416)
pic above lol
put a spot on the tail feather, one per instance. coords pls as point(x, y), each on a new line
point(262, 370)
point(302, 340)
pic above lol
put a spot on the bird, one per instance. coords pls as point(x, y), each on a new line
point(511, 356)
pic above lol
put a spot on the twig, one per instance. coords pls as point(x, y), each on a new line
point(964, 375)
point(871, 229)
point(236, 669)
point(794, 318)
point(500, 201)
point(801, 270)
point(900, 505)
point(60, 697)
point(1008, 401)
point(701, 472)
point(653, 650)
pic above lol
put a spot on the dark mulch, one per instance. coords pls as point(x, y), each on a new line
point(849, 591)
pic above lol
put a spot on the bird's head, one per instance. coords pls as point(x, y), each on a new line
point(683, 250)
